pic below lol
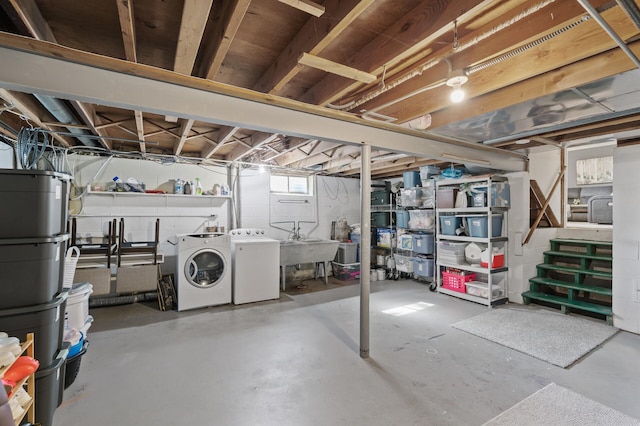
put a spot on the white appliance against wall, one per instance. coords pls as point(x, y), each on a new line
point(203, 270)
point(256, 266)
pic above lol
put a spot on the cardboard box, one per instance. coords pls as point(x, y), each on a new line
point(137, 279)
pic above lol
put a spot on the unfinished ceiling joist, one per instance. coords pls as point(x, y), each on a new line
point(140, 87)
point(336, 68)
point(308, 6)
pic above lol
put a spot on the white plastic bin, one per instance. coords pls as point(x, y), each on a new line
point(77, 310)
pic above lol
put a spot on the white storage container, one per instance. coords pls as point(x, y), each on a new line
point(77, 309)
point(403, 263)
point(476, 288)
point(421, 219)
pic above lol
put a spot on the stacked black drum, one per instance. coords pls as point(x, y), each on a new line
point(33, 242)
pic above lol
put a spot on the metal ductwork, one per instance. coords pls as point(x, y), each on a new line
point(59, 110)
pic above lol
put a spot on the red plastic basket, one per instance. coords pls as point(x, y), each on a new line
point(456, 282)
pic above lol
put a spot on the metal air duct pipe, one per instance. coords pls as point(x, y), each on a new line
point(61, 113)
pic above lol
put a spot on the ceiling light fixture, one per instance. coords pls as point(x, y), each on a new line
point(456, 79)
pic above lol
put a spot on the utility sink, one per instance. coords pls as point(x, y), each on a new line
point(312, 250)
point(293, 252)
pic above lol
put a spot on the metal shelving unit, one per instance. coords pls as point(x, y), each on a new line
point(496, 279)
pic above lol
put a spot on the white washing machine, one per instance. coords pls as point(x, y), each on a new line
point(203, 270)
point(256, 266)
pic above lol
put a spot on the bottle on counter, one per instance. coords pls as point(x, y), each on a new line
point(187, 188)
point(178, 188)
point(198, 187)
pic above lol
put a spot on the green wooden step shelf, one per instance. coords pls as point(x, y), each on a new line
point(576, 261)
point(571, 286)
point(578, 255)
point(575, 271)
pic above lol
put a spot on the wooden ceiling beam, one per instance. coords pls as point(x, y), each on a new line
point(339, 151)
point(231, 15)
point(225, 134)
point(428, 21)
point(88, 114)
point(300, 143)
point(170, 93)
point(336, 68)
point(185, 128)
point(308, 6)
point(30, 16)
point(258, 139)
point(127, 29)
point(195, 14)
point(313, 39)
point(300, 153)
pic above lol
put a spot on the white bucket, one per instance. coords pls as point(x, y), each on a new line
point(77, 311)
point(373, 276)
point(381, 274)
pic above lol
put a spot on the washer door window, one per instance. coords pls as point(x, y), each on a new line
point(205, 268)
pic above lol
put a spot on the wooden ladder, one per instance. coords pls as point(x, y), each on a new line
point(576, 275)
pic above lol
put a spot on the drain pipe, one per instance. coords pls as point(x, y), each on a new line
point(61, 113)
point(607, 28)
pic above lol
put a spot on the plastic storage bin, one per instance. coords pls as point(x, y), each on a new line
point(456, 282)
point(411, 179)
point(31, 270)
point(347, 253)
point(446, 198)
point(380, 198)
point(417, 197)
point(36, 203)
point(427, 171)
point(403, 263)
point(421, 219)
point(50, 387)
point(77, 307)
point(476, 288)
point(405, 242)
point(449, 224)
point(72, 365)
point(386, 237)
point(345, 272)
point(451, 252)
point(423, 267)
point(500, 195)
point(402, 219)
point(380, 219)
point(46, 321)
point(422, 243)
point(478, 226)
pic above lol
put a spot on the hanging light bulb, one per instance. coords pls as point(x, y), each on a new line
point(456, 79)
point(261, 169)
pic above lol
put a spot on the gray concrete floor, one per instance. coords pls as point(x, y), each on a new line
point(296, 362)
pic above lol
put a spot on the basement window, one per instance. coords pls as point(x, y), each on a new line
point(291, 184)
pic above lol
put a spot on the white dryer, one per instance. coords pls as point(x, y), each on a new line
point(203, 270)
point(256, 266)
